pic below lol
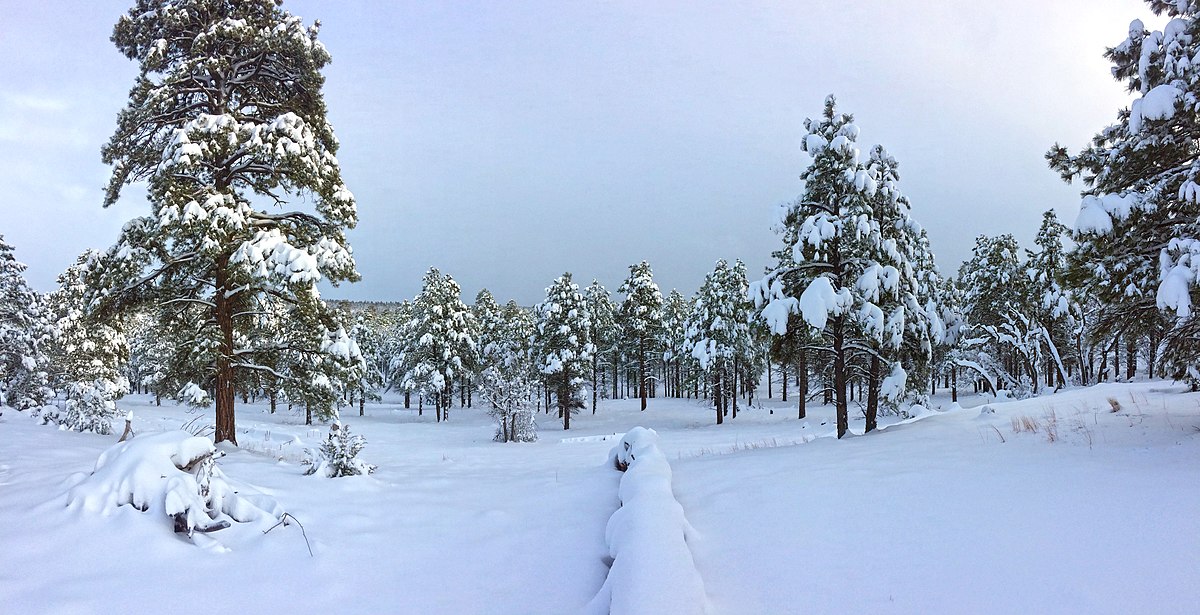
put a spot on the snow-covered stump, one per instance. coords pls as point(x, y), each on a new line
point(171, 474)
point(652, 567)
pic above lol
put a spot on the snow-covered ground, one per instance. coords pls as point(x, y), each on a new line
point(956, 511)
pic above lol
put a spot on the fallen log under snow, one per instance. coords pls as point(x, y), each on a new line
point(652, 566)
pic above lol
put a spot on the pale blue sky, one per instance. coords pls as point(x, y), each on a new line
point(507, 142)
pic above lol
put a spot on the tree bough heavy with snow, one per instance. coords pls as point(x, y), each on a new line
point(227, 126)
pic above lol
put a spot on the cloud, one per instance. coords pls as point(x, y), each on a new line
point(33, 102)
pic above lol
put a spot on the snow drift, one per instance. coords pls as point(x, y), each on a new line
point(653, 570)
point(171, 474)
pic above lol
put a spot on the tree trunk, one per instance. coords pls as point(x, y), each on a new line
point(783, 368)
point(802, 394)
point(642, 369)
point(769, 394)
point(564, 397)
point(733, 387)
point(271, 396)
point(595, 381)
point(223, 311)
point(954, 383)
point(717, 396)
point(1130, 355)
point(307, 414)
point(839, 378)
point(616, 393)
point(873, 396)
point(407, 398)
point(362, 401)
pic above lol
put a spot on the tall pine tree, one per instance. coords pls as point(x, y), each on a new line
point(227, 126)
point(563, 344)
point(641, 319)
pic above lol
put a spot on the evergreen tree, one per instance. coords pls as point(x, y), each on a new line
point(24, 331)
point(226, 114)
point(902, 285)
point(719, 332)
point(441, 341)
point(369, 332)
point(676, 349)
point(841, 264)
point(399, 343)
point(563, 344)
point(641, 319)
point(338, 455)
point(1137, 235)
point(999, 305)
point(88, 355)
point(605, 334)
point(1054, 305)
point(855, 267)
point(490, 320)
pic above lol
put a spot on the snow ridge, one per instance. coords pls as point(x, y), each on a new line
point(653, 570)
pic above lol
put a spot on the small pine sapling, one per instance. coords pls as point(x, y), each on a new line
point(338, 455)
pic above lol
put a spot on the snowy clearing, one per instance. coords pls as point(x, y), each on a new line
point(955, 511)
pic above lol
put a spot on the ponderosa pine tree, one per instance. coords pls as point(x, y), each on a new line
point(605, 333)
point(1137, 235)
point(999, 306)
point(88, 355)
point(399, 342)
point(369, 332)
point(676, 311)
point(719, 333)
point(1054, 305)
point(843, 263)
point(490, 322)
point(641, 319)
point(24, 331)
point(563, 344)
point(904, 285)
point(509, 383)
point(441, 341)
point(226, 115)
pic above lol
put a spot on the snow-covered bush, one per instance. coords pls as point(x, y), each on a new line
point(652, 570)
point(509, 394)
point(89, 407)
point(171, 474)
point(338, 455)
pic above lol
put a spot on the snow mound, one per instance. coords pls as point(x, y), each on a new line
point(653, 570)
point(172, 474)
